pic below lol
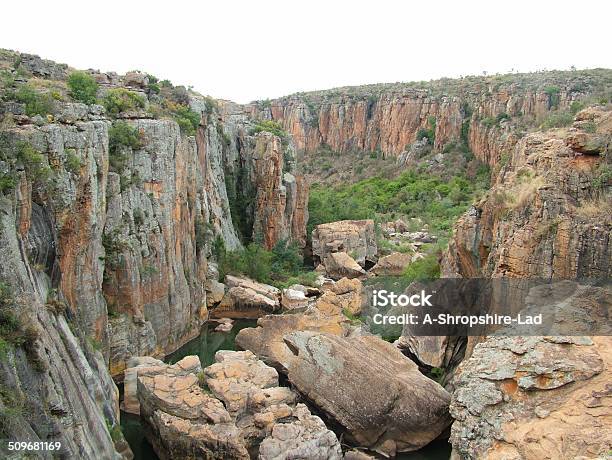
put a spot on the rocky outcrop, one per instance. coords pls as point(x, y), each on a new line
point(280, 196)
point(307, 437)
point(533, 398)
point(407, 410)
point(356, 238)
point(546, 215)
point(240, 406)
point(113, 239)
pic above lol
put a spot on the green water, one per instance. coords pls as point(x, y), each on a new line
point(209, 342)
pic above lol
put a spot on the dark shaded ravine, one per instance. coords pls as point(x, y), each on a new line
point(205, 346)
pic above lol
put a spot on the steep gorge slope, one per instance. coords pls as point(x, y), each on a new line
point(106, 248)
point(483, 111)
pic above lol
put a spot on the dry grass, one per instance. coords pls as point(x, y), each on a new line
point(601, 206)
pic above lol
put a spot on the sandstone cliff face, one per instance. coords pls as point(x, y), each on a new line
point(123, 245)
point(548, 214)
point(387, 118)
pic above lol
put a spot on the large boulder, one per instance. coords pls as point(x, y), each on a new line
point(267, 339)
point(130, 402)
point(370, 389)
point(355, 237)
point(183, 421)
point(534, 398)
point(394, 264)
point(246, 298)
point(340, 265)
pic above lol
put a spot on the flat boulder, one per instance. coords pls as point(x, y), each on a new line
point(246, 298)
point(356, 237)
point(392, 265)
point(341, 265)
point(266, 340)
point(369, 388)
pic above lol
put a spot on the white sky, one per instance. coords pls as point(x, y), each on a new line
point(246, 50)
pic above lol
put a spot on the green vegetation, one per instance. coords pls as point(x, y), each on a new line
point(281, 267)
point(553, 95)
point(113, 248)
point(15, 331)
point(269, 126)
point(13, 409)
point(73, 162)
point(435, 199)
point(122, 136)
point(429, 132)
point(82, 87)
point(35, 103)
point(187, 119)
point(423, 269)
point(557, 119)
point(33, 161)
point(119, 100)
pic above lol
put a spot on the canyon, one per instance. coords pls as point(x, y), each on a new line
point(110, 252)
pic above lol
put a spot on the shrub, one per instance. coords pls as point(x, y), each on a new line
point(269, 126)
point(35, 103)
point(282, 267)
point(576, 106)
point(33, 161)
point(73, 162)
point(429, 133)
point(119, 100)
point(557, 120)
point(187, 119)
point(7, 182)
point(120, 136)
point(553, 95)
point(424, 269)
point(82, 87)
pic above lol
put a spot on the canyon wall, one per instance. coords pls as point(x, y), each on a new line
point(105, 247)
point(387, 118)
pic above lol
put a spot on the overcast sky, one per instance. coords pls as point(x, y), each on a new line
point(246, 50)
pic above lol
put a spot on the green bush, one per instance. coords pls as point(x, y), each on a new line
point(73, 162)
point(83, 87)
point(269, 126)
point(34, 162)
point(558, 120)
point(120, 136)
point(438, 200)
point(7, 182)
point(553, 95)
point(119, 100)
point(281, 267)
point(35, 103)
point(430, 132)
point(187, 119)
point(424, 269)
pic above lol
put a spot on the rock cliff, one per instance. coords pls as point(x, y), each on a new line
point(483, 111)
point(111, 216)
